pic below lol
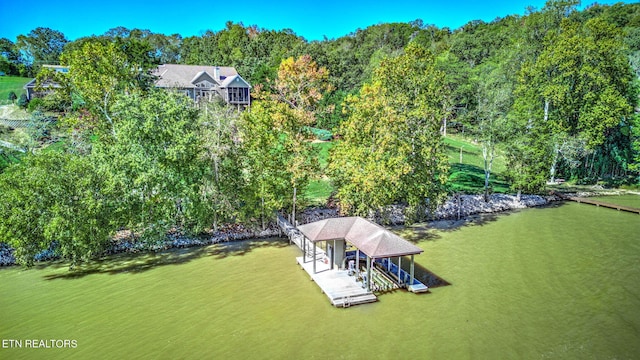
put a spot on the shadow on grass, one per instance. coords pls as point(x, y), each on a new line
point(141, 262)
point(470, 178)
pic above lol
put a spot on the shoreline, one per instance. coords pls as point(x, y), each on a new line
point(455, 211)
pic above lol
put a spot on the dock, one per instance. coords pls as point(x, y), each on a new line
point(347, 243)
point(342, 289)
point(599, 203)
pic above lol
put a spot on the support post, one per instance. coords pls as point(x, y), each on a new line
point(368, 273)
point(358, 261)
point(304, 249)
point(314, 257)
point(399, 267)
point(412, 270)
point(333, 254)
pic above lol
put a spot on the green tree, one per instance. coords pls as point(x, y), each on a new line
point(23, 101)
point(98, 73)
point(221, 186)
point(579, 85)
point(272, 159)
point(42, 46)
point(493, 101)
point(391, 148)
point(155, 164)
point(54, 198)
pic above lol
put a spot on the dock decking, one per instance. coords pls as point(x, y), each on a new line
point(604, 204)
point(341, 289)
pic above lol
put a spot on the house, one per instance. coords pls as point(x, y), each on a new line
point(205, 82)
point(45, 86)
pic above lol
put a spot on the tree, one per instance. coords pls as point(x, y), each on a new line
point(42, 46)
point(391, 149)
point(221, 188)
point(98, 73)
point(272, 158)
point(154, 165)
point(292, 102)
point(9, 57)
point(579, 85)
point(54, 200)
point(494, 99)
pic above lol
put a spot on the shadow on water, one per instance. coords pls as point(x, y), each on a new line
point(430, 231)
point(138, 263)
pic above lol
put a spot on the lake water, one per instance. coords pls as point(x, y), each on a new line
point(560, 282)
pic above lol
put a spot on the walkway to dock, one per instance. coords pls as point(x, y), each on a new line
point(599, 203)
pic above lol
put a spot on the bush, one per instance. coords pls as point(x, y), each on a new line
point(12, 96)
point(23, 101)
point(35, 104)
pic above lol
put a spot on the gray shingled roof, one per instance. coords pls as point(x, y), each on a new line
point(231, 79)
point(370, 238)
point(181, 76)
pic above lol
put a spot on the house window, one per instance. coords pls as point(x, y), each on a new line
point(238, 95)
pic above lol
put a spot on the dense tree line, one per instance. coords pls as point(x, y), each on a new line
point(555, 91)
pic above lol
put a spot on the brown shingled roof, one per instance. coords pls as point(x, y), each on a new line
point(370, 238)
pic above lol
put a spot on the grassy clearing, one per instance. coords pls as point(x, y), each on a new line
point(465, 176)
point(9, 84)
point(468, 175)
point(319, 190)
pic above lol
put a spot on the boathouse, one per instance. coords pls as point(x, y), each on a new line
point(369, 241)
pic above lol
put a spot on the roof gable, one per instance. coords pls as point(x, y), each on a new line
point(371, 238)
point(181, 76)
point(203, 76)
point(235, 81)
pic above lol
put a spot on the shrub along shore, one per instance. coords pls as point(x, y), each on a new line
point(455, 208)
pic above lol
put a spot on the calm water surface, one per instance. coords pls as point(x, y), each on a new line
point(546, 283)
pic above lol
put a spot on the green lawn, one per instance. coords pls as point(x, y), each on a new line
point(466, 176)
point(9, 84)
point(319, 190)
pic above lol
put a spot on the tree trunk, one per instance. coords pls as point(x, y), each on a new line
point(554, 163)
point(293, 211)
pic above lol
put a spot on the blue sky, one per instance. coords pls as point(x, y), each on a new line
point(312, 20)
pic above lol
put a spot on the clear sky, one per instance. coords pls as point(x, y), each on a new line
point(311, 19)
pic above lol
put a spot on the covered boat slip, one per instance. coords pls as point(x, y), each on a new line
point(371, 242)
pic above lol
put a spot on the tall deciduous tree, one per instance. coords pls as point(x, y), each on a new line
point(273, 159)
point(493, 102)
point(155, 163)
point(220, 191)
point(55, 198)
point(391, 148)
point(579, 85)
point(98, 73)
point(42, 46)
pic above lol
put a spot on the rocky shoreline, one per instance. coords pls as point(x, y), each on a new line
point(456, 207)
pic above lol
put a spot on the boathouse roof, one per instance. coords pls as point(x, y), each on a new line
point(370, 238)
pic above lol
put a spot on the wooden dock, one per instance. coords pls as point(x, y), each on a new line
point(599, 203)
point(342, 289)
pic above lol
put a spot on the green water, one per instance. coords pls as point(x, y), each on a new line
point(626, 200)
point(540, 283)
